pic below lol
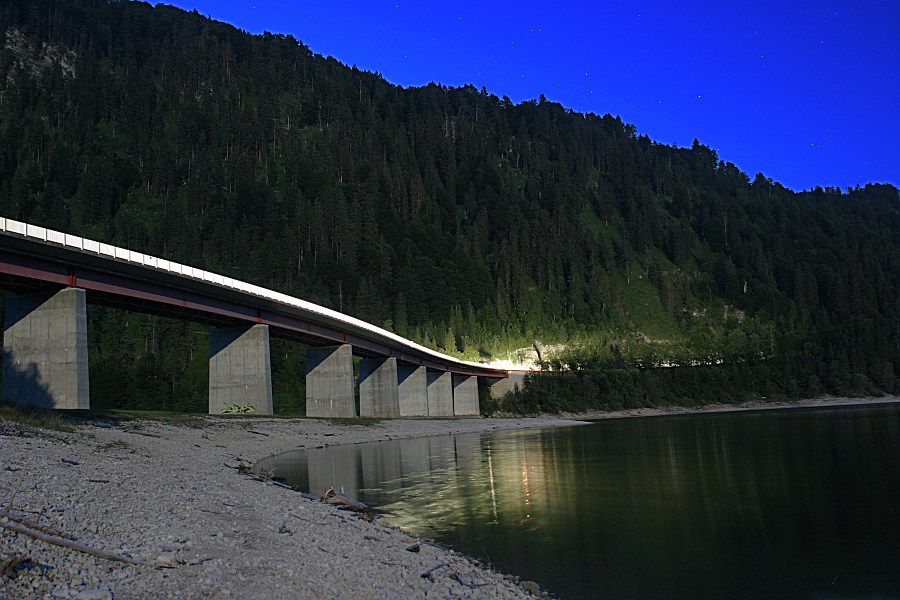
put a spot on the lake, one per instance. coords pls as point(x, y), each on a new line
point(775, 504)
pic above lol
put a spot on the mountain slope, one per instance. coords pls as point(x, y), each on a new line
point(446, 214)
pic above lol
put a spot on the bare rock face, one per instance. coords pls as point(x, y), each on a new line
point(39, 61)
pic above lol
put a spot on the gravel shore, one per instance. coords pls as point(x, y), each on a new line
point(172, 495)
point(823, 402)
point(175, 496)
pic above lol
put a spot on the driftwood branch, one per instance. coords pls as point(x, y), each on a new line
point(33, 524)
point(16, 491)
point(342, 500)
point(309, 520)
point(429, 574)
point(144, 433)
point(455, 575)
point(58, 541)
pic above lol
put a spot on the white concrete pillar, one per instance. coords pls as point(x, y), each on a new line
point(240, 370)
point(330, 390)
point(379, 394)
point(465, 396)
point(440, 394)
point(413, 383)
point(45, 357)
point(502, 387)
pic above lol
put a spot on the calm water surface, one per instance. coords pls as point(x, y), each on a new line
point(789, 504)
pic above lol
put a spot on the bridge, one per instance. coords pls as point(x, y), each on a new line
point(51, 276)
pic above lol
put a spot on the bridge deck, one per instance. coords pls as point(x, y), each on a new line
point(33, 258)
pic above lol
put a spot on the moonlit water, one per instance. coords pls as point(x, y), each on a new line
point(787, 504)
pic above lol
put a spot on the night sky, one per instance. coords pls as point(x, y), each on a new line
point(805, 92)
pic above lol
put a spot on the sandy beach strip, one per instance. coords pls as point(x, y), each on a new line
point(174, 496)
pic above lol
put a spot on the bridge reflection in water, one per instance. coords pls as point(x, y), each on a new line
point(449, 479)
point(798, 504)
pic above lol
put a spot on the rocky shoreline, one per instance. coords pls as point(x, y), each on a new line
point(172, 495)
point(175, 496)
point(823, 402)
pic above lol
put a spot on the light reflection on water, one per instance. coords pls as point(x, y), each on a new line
point(796, 504)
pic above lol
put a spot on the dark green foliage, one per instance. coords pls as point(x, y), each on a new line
point(831, 359)
point(446, 214)
point(289, 377)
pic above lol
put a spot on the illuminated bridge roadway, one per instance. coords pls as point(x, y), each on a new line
point(53, 275)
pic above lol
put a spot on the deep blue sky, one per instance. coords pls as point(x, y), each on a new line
point(806, 92)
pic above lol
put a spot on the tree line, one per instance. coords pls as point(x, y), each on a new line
point(449, 215)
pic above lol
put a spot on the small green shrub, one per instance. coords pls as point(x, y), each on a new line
point(231, 409)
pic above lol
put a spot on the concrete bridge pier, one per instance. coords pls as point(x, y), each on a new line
point(240, 370)
point(413, 384)
point(465, 396)
point(379, 392)
point(330, 389)
point(45, 357)
point(502, 387)
point(440, 394)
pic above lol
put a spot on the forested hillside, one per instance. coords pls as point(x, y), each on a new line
point(448, 215)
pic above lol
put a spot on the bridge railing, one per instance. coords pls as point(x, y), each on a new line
point(89, 246)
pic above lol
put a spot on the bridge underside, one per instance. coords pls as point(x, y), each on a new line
point(43, 367)
point(45, 351)
point(197, 301)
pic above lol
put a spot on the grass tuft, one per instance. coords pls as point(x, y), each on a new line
point(358, 421)
point(114, 445)
point(43, 418)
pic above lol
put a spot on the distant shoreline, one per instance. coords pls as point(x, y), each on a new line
point(822, 402)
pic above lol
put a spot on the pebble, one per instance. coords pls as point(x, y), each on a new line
point(95, 595)
point(531, 587)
